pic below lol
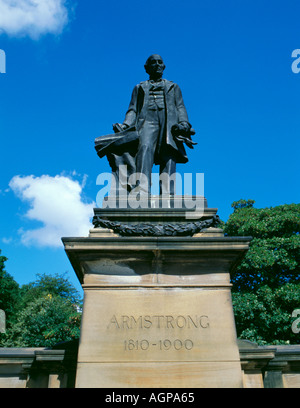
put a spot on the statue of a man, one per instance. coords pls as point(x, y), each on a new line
point(157, 111)
point(158, 117)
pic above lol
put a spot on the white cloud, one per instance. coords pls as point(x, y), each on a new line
point(32, 17)
point(57, 203)
point(7, 241)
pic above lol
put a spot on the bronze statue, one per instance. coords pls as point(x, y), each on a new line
point(155, 127)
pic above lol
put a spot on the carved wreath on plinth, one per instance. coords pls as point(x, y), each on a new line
point(156, 230)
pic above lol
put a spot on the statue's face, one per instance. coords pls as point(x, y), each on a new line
point(155, 65)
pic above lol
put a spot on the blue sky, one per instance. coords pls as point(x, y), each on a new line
point(70, 75)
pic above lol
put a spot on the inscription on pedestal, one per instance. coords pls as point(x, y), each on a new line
point(158, 322)
point(167, 324)
point(158, 325)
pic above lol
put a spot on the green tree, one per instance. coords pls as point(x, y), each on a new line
point(55, 285)
point(48, 312)
point(266, 284)
point(265, 316)
point(45, 322)
point(9, 292)
point(274, 255)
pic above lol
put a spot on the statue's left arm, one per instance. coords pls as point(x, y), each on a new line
point(130, 117)
point(181, 110)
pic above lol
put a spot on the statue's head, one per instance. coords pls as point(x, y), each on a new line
point(155, 66)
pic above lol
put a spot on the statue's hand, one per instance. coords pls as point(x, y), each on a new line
point(181, 128)
point(182, 133)
point(119, 127)
point(184, 126)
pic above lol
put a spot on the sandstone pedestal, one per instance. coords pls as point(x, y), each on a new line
point(157, 309)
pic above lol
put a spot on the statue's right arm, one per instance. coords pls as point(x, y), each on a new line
point(130, 117)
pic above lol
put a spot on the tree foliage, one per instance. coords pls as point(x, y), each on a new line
point(9, 292)
point(45, 321)
point(47, 312)
point(266, 284)
point(274, 255)
point(265, 316)
point(56, 285)
point(282, 221)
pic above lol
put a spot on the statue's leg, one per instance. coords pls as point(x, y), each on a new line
point(147, 145)
point(167, 177)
